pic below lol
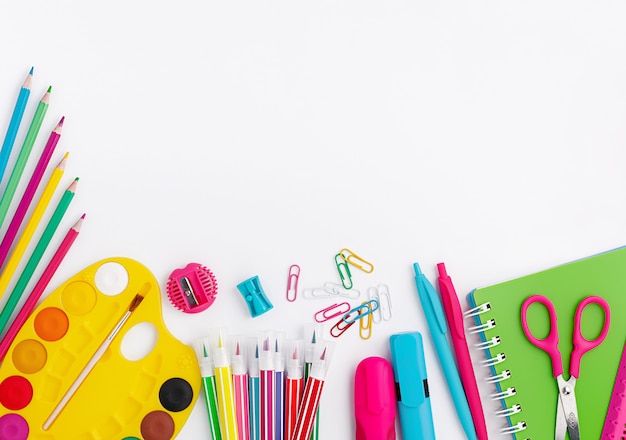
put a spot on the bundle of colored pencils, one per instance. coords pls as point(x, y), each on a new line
point(18, 236)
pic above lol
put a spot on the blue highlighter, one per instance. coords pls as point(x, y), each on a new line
point(409, 369)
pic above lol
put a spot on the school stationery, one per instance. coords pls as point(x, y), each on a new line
point(224, 388)
point(30, 191)
point(192, 289)
point(413, 396)
point(279, 387)
point(37, 254)
point(254, 390)
point(14, 123)
point(374, 400)
point(207, 372)
point(616, 414)
point(294, 386)
point(267, 390)
point(41, 285)
point(255, 296)
point(314, 330)
point(31, 225)
point(240, 389)
point(520, 375)
point(438, 332)
point(313, 391)
point(146, 394)
point(454, 316)
point(22, 158)
point(566, 411)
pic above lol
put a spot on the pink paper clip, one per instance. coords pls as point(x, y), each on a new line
point(331, 311)
point(340, 327)
point(292, 282)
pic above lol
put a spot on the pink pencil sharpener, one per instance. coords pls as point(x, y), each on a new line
point(192, 289)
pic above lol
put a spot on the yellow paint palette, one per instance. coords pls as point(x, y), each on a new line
point(140, 388)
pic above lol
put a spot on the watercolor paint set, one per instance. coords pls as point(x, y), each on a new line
point(146, 391)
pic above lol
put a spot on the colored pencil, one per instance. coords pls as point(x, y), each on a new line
point(279, 387)
point(14, 123)
point(37, 254)
point(96, 357)
point(31, 225)
point(29, 193)
point(40, 287)
point(209, 385)
point(22, 158)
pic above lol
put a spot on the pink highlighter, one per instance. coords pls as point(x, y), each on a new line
point(375, 400)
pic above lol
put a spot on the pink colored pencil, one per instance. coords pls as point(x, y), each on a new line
point(240, 385)
point(39, 288)
point(30, 191)
point(266, 368)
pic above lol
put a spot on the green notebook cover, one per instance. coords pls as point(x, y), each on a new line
point(530, 368)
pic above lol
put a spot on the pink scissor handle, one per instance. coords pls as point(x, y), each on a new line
point(582, 345)
point(550, 344)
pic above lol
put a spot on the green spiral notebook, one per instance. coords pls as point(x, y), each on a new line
point(527, 369)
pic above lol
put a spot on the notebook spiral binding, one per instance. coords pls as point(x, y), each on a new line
point(487, 343)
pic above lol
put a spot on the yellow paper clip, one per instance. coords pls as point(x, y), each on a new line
point(331, 311)
point(350, 257)
point(344, 271)
point(292, 282)
point(365, 324)
point(365, 308)
point(381, 294)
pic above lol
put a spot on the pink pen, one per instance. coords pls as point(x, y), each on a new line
point(294, 386)
point(240, 388)
point(454, 315)
point(267, 390)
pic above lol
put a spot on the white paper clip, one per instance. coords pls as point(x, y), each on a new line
point(338, 289)
point(381, 294)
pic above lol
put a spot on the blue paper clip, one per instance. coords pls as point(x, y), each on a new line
point(363, 310)
point(255, 297)
point(344, 271)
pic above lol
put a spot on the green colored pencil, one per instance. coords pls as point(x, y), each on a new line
point(22, 158)
point(37, 254)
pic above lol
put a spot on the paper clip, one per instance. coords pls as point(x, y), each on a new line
point(365, 323)
point(337, 289)
point(292, 282)
point(381, 294)
point(340, 327)
point(366, 308)
point(344, 271)
point(331, 311)
point(350, 257)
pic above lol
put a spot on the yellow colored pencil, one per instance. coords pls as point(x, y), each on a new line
point(29, 230)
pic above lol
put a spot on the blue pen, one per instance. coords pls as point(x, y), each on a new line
point(14, 124)
point(438, 331)
point(409, 370)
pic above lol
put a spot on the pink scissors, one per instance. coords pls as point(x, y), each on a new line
point(566, 412)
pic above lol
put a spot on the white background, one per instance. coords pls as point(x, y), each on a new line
point(253, 135)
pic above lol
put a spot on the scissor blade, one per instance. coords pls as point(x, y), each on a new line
point(569, 410)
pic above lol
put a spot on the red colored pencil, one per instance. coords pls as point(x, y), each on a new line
point(39, 288)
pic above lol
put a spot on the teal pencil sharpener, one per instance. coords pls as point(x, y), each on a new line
point(255, 297)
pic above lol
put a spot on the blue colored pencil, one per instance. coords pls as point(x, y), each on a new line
point(14, 124)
